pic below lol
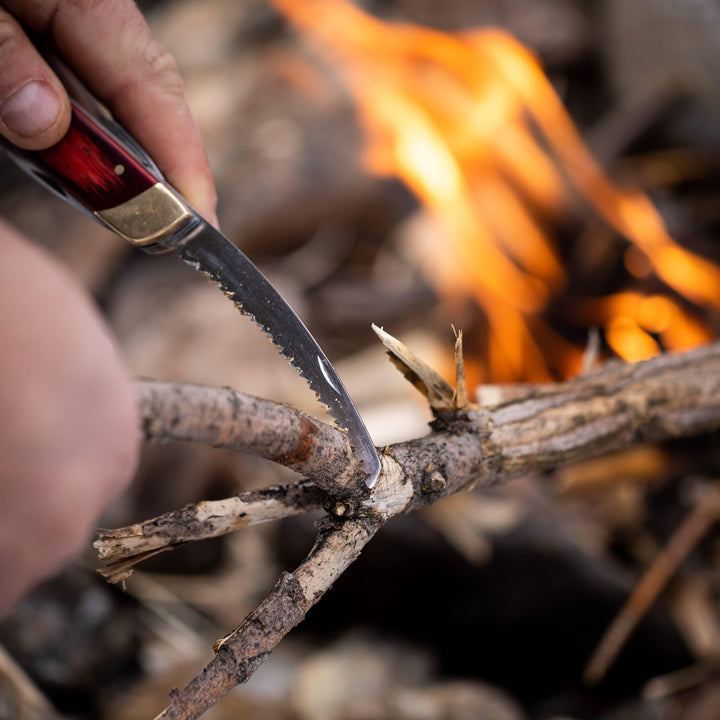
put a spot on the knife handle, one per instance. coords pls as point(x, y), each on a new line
point(96, 170)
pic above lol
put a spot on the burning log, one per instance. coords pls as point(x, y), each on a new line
point(617, 406)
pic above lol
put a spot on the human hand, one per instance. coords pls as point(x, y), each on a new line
point(112, 50)
point(69, 430)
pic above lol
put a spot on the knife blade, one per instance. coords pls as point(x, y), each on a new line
point(100, 169)
point(213, 254)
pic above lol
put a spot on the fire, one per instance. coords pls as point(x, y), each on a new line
point(472, 125)
point(631, 319)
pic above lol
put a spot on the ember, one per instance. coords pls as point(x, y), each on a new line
point(472, 125)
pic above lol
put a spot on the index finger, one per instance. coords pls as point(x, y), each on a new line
point(110, 46)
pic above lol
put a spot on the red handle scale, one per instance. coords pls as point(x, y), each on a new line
point(94, 167)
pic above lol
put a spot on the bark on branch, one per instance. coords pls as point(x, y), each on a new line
point(222, 417)
point(619, 405)
point(239, 654)
point(125, 547)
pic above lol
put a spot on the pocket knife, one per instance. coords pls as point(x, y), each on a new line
point(99, 168)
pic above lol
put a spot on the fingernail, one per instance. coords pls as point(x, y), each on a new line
point(31, 109)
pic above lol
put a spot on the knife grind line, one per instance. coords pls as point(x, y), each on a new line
point(100, 169)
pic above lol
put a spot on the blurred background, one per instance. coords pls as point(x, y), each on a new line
point(543, 175)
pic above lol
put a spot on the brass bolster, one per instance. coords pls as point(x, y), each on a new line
point(144, 219)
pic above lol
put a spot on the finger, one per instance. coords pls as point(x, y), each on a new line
point(111, 47)
point(34, 109)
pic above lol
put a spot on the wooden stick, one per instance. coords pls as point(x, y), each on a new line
point(238, 655)
point(124, 547)
point(21, 697)
point(222, 417)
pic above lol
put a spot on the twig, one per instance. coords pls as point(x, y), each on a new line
point(684, 539)
point(222, 417)
point(239, 654)
point(418, 373)
point(21, 697)
point(615, 407)
point(125, 547)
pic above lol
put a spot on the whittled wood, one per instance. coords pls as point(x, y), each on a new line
point(617, 406)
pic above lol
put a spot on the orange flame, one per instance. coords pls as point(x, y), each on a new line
point(472, 125)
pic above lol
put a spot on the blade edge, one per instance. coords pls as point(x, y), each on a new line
point(224, 264)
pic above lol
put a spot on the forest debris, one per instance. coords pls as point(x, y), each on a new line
point(356, 680)
point(125, 547)
point(635, 465)
point(559, 423)
point(685, 538)
point(460, 396)
point(469, 521)
point(694, 608)
point(617, 406)
point(591, 355)
point(19, 696)
point(241, 652)
point(453, 699)
point(679, 681)
point(141, 701)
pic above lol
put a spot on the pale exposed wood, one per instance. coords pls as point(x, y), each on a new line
point(124, 547)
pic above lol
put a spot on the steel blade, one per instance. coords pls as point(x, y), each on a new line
point(210, 252)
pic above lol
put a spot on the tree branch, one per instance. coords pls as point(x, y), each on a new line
point(125, 547)
point(239, 654)
point(222, 417)
point(619, 405)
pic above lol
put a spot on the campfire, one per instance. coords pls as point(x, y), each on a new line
point(471, 124)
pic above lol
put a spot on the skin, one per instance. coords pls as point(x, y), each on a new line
point(69, 431)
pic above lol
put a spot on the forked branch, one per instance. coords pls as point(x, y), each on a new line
point(619, 405)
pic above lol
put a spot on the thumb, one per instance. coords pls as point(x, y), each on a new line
point(34, 108)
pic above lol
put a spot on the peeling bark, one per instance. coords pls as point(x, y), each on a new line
point(123, 547)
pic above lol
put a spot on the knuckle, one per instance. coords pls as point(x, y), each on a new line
point(9, 36)
point(162, 67)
